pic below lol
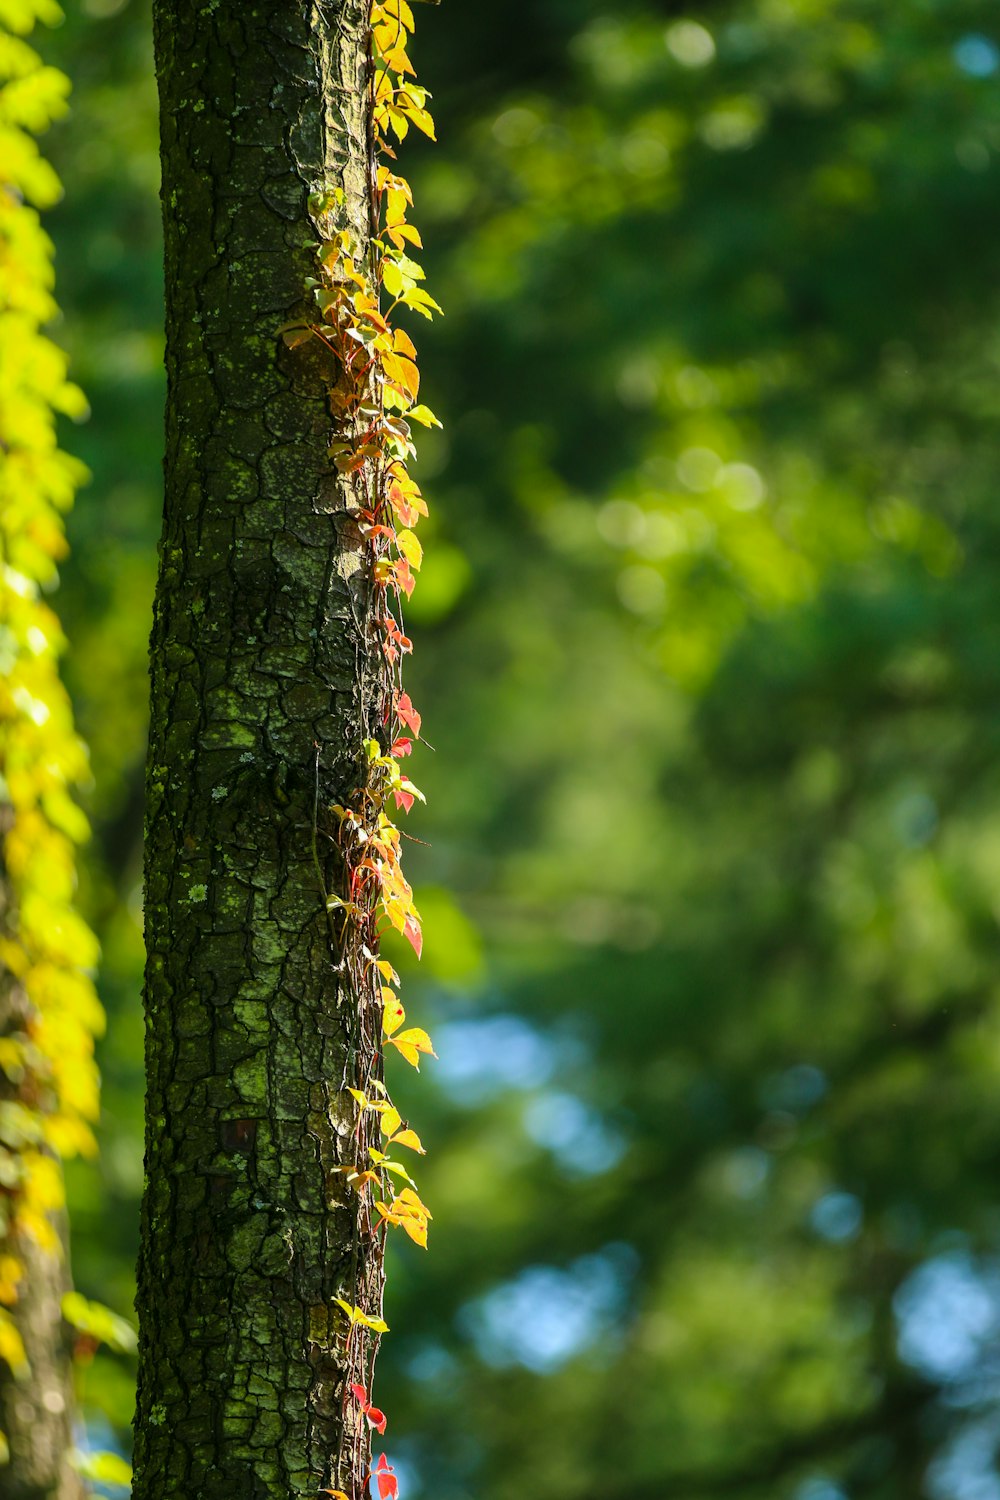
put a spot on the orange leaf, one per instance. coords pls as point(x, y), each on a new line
point(403, 344)
point(414, 936)
point(403, 371)
point(417, 1231)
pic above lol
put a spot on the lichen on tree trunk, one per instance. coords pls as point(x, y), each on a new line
point(263, 689)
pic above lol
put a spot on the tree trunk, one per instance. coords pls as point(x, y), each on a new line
point(262, 694)
point(36, 1401)
point(36, 1410)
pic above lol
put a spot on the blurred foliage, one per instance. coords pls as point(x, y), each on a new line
point(49, 1011)
point(709, 650)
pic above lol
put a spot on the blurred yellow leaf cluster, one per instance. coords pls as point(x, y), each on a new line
point(49, 1011)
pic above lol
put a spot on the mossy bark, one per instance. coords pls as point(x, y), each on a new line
point(263, 688)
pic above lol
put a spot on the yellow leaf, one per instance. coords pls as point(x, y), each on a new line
point(424, 415)
point(356, 1177)
point(417, 1230)
point(410, 547)
point(393, 1015)
point(403, 371)
point(411, 1203)
point(399, 10)
point(408, 1138)
point(401, 233)
point(421, 118)
point(403, 344)
point(355, 1315)
point(395, 57)
point(417, 1037)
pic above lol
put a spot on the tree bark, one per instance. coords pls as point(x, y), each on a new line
point(263, 691)
point(36, 1411)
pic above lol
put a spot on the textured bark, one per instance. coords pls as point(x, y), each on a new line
point(262, 687)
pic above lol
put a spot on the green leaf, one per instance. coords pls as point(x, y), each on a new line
point(423, 415)
point(355, 1315)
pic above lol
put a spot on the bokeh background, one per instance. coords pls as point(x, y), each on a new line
point(708, 644)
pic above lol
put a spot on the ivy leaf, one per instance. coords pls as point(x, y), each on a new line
point(412, 1042)
point(417, 1231)
point(393, 1014)
point(421, 301)
point(293, 337)
point(417, 1037)
point(424, 415)
point(408, 1138)
point(410, 547)
point(402, 343)
point(376, 1417)
point(398, 121)
point(403, 371)
point(414, 936)
point(407, 714)
point(385, 1478)
point(400, 11)
point(355, 1316)
point(392, 278)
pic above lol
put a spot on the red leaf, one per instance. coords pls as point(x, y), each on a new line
point(407, 714)
point(405, 800)
point(385, 1477)
point(376, 1418)
point(402, 746)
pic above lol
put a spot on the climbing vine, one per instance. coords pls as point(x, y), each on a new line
point(49, 1011)
point(373, 395)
